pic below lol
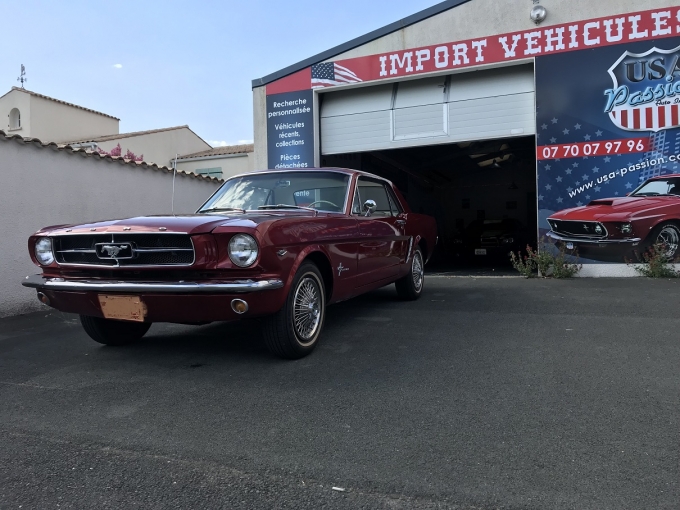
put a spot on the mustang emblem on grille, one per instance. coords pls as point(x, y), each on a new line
point(114, 251)
point(585, 227)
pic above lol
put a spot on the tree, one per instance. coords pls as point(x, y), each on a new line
point(117, 152)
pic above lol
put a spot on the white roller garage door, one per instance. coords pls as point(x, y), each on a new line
point(462, 107)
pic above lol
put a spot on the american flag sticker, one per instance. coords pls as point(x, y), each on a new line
point(648, 98)
point(330, 74)
point(650, 118)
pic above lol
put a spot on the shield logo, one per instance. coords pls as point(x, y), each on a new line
point(646, 87)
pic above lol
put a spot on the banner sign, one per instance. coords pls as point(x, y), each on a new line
point(550, 40)
point(290, 130)
point(607, 121)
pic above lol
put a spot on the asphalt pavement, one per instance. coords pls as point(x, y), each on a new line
point(487, 393)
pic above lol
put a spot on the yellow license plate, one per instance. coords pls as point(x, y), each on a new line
point(122, 308)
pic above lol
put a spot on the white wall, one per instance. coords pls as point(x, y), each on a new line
point(260, 127)
point(231, 164)
point(159, 148)
point(44, 186)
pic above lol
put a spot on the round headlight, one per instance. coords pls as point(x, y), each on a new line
point(243, 250)
point(598, 229)
point(43, 251)
point(626, 228)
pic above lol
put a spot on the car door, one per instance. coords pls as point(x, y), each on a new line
point(381, 232)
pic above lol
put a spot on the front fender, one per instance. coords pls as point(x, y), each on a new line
point(300, 257)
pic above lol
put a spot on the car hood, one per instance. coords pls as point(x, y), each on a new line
point(185, 224)
point(618, 209)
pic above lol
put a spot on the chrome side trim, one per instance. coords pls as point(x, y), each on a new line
point(582, 240)
point(181, 287)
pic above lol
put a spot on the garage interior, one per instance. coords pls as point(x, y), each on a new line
point(466, 156)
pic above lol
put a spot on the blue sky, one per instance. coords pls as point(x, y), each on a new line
point(157, 64)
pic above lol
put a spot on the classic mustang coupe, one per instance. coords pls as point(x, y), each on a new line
point(275, 244)
point(620, 226)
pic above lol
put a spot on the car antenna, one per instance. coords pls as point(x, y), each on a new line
point(174, 174)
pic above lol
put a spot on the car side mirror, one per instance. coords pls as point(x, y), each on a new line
point(369, 207)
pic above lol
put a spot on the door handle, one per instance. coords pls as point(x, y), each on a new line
point(400, 222)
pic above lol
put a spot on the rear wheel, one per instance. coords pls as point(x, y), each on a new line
point(112, 332)
point(293, 331)
point(410, 287)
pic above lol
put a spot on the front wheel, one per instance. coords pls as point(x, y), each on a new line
point(112, 332)
point(666, 235)
point(410, 287)
point(293, 331)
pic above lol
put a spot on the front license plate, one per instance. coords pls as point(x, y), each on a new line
point(481, 251)
point(570, 246)
point(122, 308)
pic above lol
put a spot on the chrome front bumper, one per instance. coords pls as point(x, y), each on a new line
point(580, 240)
point(230, 287)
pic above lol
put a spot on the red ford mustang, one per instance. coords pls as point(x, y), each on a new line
point(621, 226)
point(274, 244)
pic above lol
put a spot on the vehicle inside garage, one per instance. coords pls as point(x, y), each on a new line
point(482, 195)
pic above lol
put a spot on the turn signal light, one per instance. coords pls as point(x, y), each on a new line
point(43, 299)
point(239, 306)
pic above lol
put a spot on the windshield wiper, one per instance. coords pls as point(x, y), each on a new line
point(288, 206)
point(222, 209)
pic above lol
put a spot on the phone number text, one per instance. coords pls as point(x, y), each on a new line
point(603, 148)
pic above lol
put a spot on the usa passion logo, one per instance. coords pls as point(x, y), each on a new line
point(646, 91)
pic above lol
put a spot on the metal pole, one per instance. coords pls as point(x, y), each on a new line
point(174, 174)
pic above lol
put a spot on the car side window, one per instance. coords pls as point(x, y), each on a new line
point(356, 202)
point(376, 191)
point(394, 203)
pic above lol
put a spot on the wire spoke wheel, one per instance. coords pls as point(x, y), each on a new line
point(293, 332)
point(417, 271)
point(410, 286)
point(307, 305)
point(669, 237)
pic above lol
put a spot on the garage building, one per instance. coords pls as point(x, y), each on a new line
point(489, 116)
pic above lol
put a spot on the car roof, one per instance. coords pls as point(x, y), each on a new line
point(348, 171)
point(667, 176)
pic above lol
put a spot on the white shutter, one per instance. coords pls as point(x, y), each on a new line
point(469, 106)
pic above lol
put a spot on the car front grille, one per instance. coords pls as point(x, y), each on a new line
point(490, 242)
point(144, 250)
point(587, 229)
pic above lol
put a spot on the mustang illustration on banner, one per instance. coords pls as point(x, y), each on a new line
point(614, 190)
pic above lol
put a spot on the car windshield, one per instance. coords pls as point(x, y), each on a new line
point(658, 187)
point(323, 191)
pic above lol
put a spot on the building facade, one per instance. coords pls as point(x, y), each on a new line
point(33, 115)
point(159, 146)
point(220, 162)
point(483, 111)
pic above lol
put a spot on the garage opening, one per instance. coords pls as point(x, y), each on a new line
point(482, 195)
point(460, 147)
